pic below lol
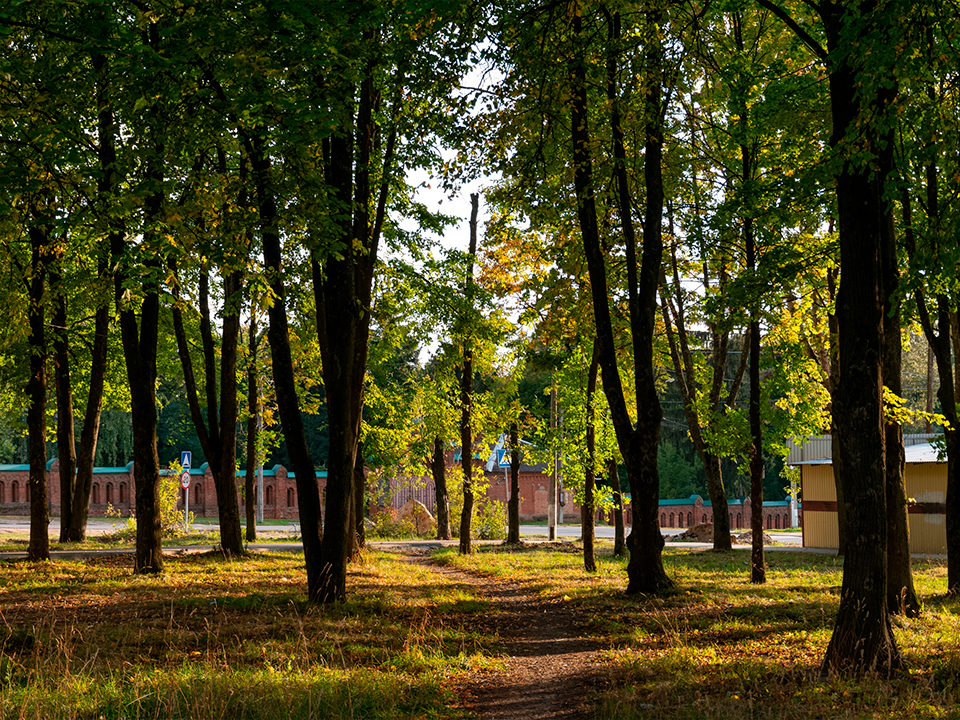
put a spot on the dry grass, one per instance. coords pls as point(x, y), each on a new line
point(721, 647)
point(213, 638)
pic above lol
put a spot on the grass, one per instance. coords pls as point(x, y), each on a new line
point(214, 638)
point(721, 647)
point(211, 638)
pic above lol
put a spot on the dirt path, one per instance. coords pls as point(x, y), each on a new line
point(554, 666)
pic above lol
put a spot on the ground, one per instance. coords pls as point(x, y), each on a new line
point(553, 666)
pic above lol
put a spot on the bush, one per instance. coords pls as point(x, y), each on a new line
point(490, 522)
point(387, 526)
point(171, 518)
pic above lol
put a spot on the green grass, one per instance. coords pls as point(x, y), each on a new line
point(212, 638)
point(721, 647)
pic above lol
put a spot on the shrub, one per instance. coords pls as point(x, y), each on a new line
point(490, 522)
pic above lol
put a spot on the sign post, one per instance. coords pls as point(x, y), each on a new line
point(185, 457)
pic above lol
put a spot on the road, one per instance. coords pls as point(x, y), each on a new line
point(606, 532)
point(99, 526)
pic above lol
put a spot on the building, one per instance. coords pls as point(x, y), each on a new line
point(925, 478)
point(113, 490)
point(694, 510)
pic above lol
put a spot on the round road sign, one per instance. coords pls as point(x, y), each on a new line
point(185, 479)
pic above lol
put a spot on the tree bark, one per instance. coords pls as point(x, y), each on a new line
point(438, 469)
point(106, 184)
point(862, 640)
point(39, 547)
point(513, 504)
point(638, 444)
point(66, 445)
point(87, 450)
point(291, 421)
point(466, 391)
point(758, 566)
point(588, 510)
point(253, 425)
point(231, 531)
point(360, 500)
point(619, 543)
point(902, 596)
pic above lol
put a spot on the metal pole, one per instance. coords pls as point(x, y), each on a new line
point(186, 506)
point(552, 490)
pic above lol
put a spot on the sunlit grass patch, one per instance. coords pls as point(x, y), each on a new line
point(234, 638)
point(719, 646)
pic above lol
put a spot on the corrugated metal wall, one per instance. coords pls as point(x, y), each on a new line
point(925, 483)
point(820, 529)
point(820, 446)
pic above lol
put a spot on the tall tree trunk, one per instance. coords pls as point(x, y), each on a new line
point(253, 426)
point(638, 444)
point(360, 502)
point(87, 450)
point(438, 468)
point(466, 391)
point(619, 543)
point(513, 504)
point(291, 421)
point(342, 289)
point(589, 509)
point(862, 640)
point(106, 184)
point(39, 547)
point(231, 532)
point(66, 445)
point(139, 341)
point(758, 566)
point(901, 595)
point(942, 339)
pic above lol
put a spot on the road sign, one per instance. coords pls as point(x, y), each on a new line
point(185, 479)
point(185, 459)
point(503, 458)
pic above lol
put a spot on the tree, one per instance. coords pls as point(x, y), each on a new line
point(928, 138)
point(860, 42)
point(466, 390)
point(638, 444)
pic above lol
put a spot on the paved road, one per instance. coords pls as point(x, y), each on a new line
point(99, 526)
point(606, 532)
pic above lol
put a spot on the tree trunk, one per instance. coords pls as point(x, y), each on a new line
point(253, 424)
point(39, 547)
point(901, 595)
point(718, 500)
point(231, 532)
point(513, 504)
point(758, 566)
point(638, 444)
point(66, 445)
point(619, 543)
point(87, 450)
point(342, 289)
point(466, 392)
point(439, 470)
point(291, 421)
point(862, 640)
point(360, 500)
point(106, 183)
point(588, 510)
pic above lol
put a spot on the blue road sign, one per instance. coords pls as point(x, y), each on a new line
point(503, 458)
point(185, 459)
